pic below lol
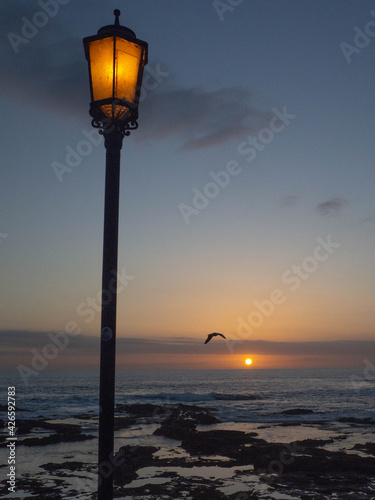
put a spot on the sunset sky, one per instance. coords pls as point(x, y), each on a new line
point(247, 200)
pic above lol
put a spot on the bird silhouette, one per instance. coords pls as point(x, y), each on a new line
point(215, 334)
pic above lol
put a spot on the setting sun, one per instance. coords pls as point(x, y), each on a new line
point(248, 361)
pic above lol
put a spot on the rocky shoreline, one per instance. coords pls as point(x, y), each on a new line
point(304, 469)
point(298, 464)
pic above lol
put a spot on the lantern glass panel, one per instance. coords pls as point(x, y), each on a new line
point(101, 63)
point(128, 63)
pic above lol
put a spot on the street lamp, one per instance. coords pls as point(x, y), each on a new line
point(116, 59)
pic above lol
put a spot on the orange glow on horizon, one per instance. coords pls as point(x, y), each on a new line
point(236, 361)
point(73, 359)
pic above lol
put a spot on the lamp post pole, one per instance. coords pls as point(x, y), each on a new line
point(113, 145)
point(116, 59)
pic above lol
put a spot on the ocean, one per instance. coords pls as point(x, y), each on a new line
point(247, 395)
point(248, 399)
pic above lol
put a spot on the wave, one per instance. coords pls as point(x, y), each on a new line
point(191, 397)
point(237, 397)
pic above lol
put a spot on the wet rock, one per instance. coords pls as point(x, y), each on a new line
point(124, 422)
point(198, 416)
point(288, 459)
point(334, 463)
point(368, 448)
point(87, 416)
point(297, 411)
point(131, 458)
point(264, 456)
point(311, 443)
point(194, 408)
point(297, 457)
point(341, 437)
point(354, 420)
point(178, 425)
point(176, 415)
point(54, 439)
point(39, 489)
point(176, 430)
point(26, 426)
point(181, 487)
point(181, 423)
point(202, 415)
point(144, 409)
point(217, 442)
point(71, 466)
point(205, 493)
point(244, 495)
point(205, 418)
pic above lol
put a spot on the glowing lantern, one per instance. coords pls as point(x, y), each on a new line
point(116, 59)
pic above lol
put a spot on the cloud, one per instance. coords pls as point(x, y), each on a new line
point(370, 218)
point(21, 342)
point(50, 72)
point(201, 118)
point(331, 207)
point(24, 340)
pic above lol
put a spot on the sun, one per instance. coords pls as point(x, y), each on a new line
point(248, 361)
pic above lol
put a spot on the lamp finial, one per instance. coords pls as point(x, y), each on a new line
point(117, 14)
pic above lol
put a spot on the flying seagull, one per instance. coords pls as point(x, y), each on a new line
point(210, 335)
